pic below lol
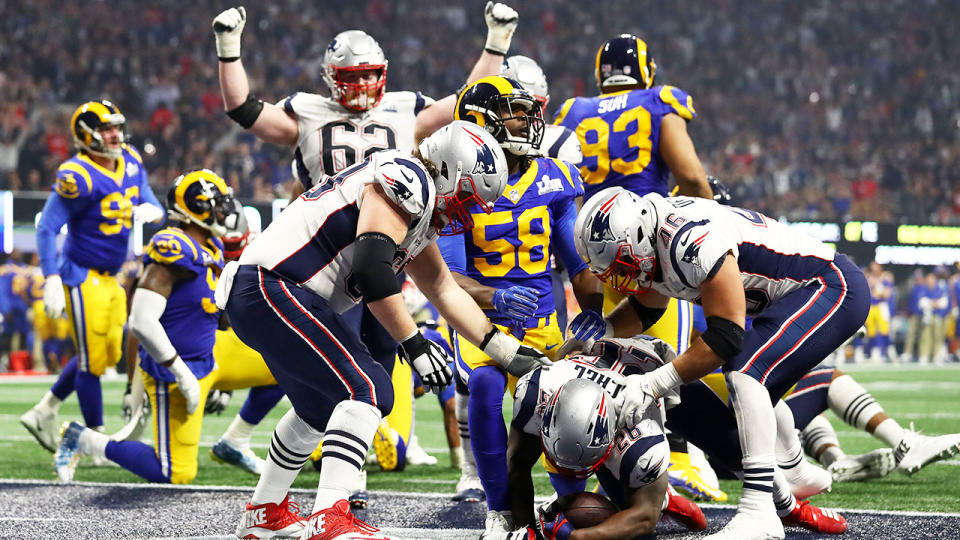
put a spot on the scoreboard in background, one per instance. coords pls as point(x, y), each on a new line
point(889, 244)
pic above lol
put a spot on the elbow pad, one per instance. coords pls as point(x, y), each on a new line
point(246, 115)
point(373, 256)
point(648, 316)
point(724, 337)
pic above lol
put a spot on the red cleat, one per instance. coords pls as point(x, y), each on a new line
point(270, 520)
point(684, 511)
point(338, 522)
point(815, 519)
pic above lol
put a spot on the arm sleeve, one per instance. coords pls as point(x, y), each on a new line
point(454, 253)
point(148, 306)
point(54, 216)
point(563, 240)
point(146, 193)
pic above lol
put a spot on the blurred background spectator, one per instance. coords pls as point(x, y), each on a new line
point(818, 110)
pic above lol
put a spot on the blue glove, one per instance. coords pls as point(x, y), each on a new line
point(516, 302)
point(588, 325)
point(553, 524)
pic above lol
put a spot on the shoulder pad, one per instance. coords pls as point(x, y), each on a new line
point(693, 248)
point(405, 182)
point(173, 246)
point(563, 110)
point(679, 101)
point(73, 181)
point(641, 455)
point(526, 401)
point(133, 153)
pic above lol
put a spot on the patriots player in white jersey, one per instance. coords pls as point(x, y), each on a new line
point(804, 298)
point(342, 243)
point(567, 413)
point(329, 134)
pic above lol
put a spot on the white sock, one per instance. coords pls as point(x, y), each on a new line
point(890, 432)
point(789, 450)
point(93, 442)
point(758, 434)
point(49, 403)
point(350, 430)
point(783, 498)
point(239, 432)
point(292, 442)
point(819, 433)
point(468, 465)
point(851, 402)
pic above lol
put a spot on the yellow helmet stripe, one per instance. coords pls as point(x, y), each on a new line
point(642, 60)
point(596, 67)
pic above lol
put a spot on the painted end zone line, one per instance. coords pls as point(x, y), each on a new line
point(390, 493)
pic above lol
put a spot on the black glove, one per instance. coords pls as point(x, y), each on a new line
point(429, 360)
point(217, 401)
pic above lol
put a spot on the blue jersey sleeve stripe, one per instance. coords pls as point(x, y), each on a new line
point(424, 193)
point(288, 103)
point(673, 250)
point(419, 104)
point(528, 405)
point(302, 172)
point(555, 149)
point(634, 453)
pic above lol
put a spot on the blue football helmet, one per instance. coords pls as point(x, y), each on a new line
point(624, 60)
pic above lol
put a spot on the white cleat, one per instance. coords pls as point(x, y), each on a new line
point(916, 451)
point(469, 488)
point(751, 525)
point(874, 464)
point(43, 427)
point(807, 480)
point(496, 525)
point(416, 455)
point(241, 457)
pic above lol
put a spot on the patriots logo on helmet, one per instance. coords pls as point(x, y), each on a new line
point(486, 163)
point(600, 229)
point(334, 45)
point(601, 435)
point(399, 190)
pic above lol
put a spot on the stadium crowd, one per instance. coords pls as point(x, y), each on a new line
point(837, 140)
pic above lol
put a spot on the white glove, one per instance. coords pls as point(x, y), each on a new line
point(227, 27)
point(501, 22)
point(633, 401)
point(54, 299)
point(187, 383)
point(513, 356)
point(148, 213)
point(429, 360)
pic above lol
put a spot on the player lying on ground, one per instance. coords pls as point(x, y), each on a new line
point(567, 412)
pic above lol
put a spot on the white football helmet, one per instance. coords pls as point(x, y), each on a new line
point(578, 428)
point(615, 236)
point(353, 51)
point(528, 73)
point(472, 170)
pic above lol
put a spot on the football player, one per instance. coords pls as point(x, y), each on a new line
point(878, 320)
point(174, 317)
point(567, 413)
point(99, 192)
point(328, 134)
point(504, 265)
point(804, 298)
point(341, 243)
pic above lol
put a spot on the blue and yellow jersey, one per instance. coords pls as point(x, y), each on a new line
point(190, 319)
point(620, 136)
point(100, 204)
point(512, 245)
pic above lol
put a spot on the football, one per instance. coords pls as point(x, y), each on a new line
point(586, 509)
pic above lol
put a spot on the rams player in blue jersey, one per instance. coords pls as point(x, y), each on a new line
point(174, 317)
point(504, 263)
point(634, 135)
point(98, 194)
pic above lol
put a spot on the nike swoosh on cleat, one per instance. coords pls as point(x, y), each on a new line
point(550, 347)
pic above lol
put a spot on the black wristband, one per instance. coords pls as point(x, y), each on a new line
point(129, 388)
point(228, 59)
point(413, 345)
point(488, 337)
point(247, 113)
point(491, 51)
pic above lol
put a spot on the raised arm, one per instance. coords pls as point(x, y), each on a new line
point(265, 120)
point(678, 152)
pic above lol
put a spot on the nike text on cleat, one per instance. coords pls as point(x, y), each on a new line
point(68, 453)
point(338, 522)
point(42, 426)
point(750, 525)
point(242, 458)
point(874, 464)
point(916, 451)
point(271, 520)
point(684, 511)
point(685, 477)
point(815, 519)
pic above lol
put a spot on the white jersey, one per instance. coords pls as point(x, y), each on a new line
point(332, 138)
point(561, 143)
point(694, 235)
point(640, 455)
point(312, 241)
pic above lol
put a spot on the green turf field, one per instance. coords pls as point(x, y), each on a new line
point(929, 397)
